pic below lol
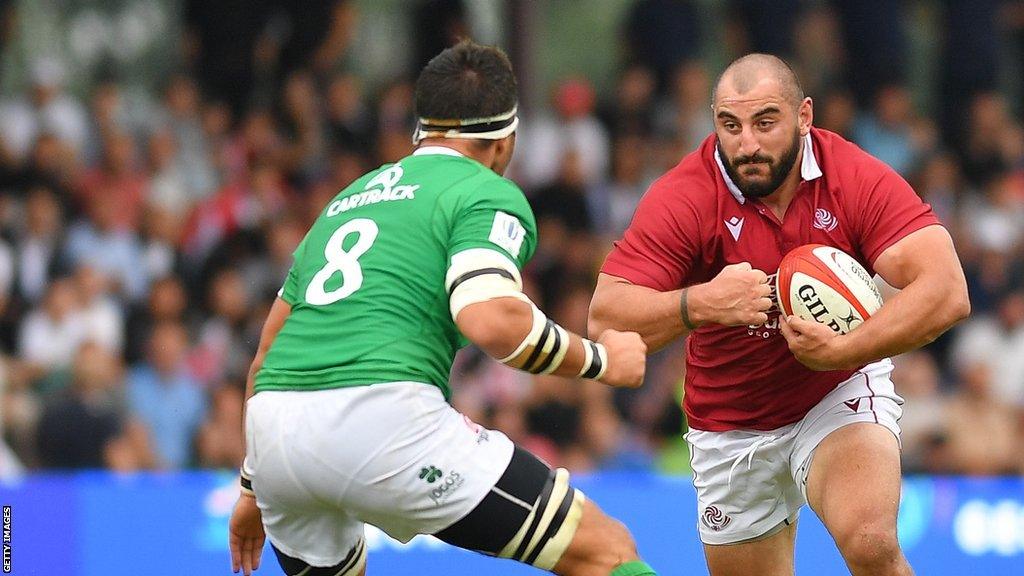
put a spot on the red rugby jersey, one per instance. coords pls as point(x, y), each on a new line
point(693, 222)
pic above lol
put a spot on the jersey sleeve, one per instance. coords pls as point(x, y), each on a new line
point(494, 216)
point(289, 291)
point(887, 210)
point(660, 246)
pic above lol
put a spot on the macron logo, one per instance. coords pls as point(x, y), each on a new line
point(734, 225)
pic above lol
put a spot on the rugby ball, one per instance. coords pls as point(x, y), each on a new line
point(826, 285)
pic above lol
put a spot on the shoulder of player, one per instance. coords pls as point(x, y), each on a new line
point(846, 161)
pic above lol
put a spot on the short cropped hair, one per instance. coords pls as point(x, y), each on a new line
point(468, 80)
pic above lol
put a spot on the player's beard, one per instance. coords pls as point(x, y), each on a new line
point(778, 169)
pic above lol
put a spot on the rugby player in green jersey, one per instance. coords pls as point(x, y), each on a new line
point(348, 420)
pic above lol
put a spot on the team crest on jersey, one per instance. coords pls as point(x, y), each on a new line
point(824, 220)
point(507, 232)
point(714, 518)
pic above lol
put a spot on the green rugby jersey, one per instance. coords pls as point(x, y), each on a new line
point(367, 288)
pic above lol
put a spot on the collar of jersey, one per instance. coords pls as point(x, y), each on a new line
point(423, 151)
point(809, 169)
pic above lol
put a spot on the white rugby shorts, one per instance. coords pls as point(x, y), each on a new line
point(750, 482)
point(394, 455)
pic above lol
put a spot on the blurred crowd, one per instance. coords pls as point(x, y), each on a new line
point(143, 236)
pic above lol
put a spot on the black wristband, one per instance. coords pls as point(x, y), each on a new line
point(683, 312)
point(246, 484)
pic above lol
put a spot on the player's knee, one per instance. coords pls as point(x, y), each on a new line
point(870, 546)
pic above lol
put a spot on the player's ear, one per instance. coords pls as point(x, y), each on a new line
point(805, 115)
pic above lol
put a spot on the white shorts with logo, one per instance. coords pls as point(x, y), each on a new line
point(394, 455)
point(749, 482)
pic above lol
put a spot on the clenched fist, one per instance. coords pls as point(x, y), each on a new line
point(627, 358)
point(738, 296)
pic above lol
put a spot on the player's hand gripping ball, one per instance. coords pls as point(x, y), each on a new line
point(826, 285)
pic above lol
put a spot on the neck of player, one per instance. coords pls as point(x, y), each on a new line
point(484, 154)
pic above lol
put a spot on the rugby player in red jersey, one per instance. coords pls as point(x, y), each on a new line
point(782, 411)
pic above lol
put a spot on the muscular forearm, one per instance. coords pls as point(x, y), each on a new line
point(655, 315)
point(498, 327)
point(914, 317)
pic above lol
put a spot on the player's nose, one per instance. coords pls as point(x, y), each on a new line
point(748, 142)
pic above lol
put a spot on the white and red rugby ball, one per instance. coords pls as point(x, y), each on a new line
point(826, 285)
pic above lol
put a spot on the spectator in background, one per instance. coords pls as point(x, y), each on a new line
point(545, 142)
point(50, 335)
point(169, 190)
point(220, 443)
point(995, 141)
point(183, 117)
point(892, 133)
point(117, 179)
point(304, 129)
point(612, 204)
point(102, 318)
point(113, 250)
point(166, 398)
point(924, 413)
point(996, 341)
point(242, 206)
point(46, 110)
point(394, 122)
point(107, 115)
point(51, 164)
point(83, 427)
point(980, 432)
point(226, 340)
point(349, 120)
point(684, 116)
point(837, 112)
point(632, 111)
point(167, 303)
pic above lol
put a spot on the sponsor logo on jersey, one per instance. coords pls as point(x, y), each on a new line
point(381, 188)
point(404, 192)
point(735, 225)
point(443, 491)
point(853, 404)
point(714, 518)
point(824, 220)
point(430, 474)
point(507, 232)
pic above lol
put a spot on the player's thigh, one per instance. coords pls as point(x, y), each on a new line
point(531, 515)
point(848, 460)
point(853, 484)
point(771, 556)
point(744, 487)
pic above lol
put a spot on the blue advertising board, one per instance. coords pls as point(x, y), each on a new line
point(97, 523)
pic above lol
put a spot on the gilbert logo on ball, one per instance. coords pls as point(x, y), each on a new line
point(826, 285)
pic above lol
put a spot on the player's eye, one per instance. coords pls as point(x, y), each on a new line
point(765, 124)
point(731, 126)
